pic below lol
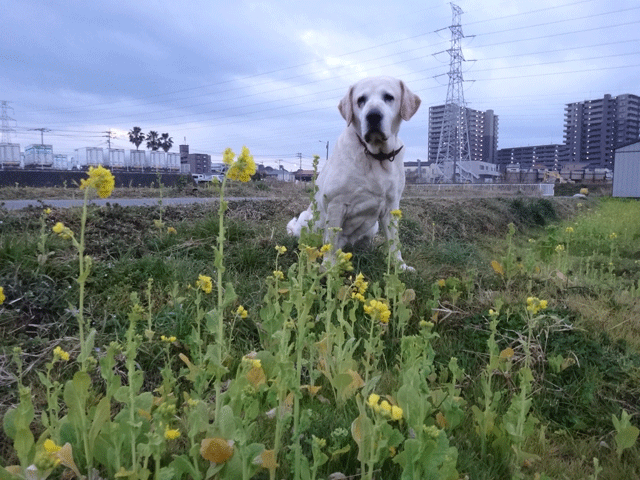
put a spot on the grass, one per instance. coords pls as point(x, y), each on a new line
point(585, 354)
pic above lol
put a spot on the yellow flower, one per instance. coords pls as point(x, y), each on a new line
point(2, 297)
point(281, 249)
point(378, 310)
point(397, 213)
point(242, 312)
point(243, 168)
point(569, 229)
point(47, 211)
point(62, 231)
point(360, 285)
point(170, 339)
point(325, 248)
point(171, 231)
point(613, 236)
point(373, 400)
point(228, 156)
point(584, 191)
point(396, 413)
point(204, 283)
point(101, 179)
point(171, 433)
point(60, 354)
point(442, 283)
point(385, 408)
point(560, 248)
point(50, 446)
point(278, 275)
point(534, 304)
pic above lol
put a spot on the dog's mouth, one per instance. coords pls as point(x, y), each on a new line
point(375, 137)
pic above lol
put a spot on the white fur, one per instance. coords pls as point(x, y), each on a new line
point(357, 192)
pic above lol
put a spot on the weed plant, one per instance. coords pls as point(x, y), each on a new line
point(214, 348)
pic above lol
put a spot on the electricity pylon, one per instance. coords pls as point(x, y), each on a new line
point(453, 146)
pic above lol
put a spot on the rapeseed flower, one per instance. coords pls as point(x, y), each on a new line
point(397, 213)
point(534, 304)
point(278, 275)
point(560, 248)
point(378, 311)
point(2, 297)
point(170, 339)
point(62, 231)
point(281, 249)
point(360, 285)
point(204, 283)
point(50, 446)
point(569, 229)
point(373, 400)
point(385, 408)
point(243, 168)
point(171, 433)
point(242, 312)
point(101, 179)
point(396, 413)
point(171, 231)
point(60, 354)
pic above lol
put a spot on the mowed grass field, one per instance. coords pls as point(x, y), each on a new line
point(513, 350)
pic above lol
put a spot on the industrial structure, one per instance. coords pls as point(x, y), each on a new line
point(453, 143)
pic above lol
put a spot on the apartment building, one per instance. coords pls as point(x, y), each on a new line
point(483, 133)
point(549, 156)
point(594, 128)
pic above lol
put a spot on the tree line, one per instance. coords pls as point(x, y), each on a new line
point(154, 140)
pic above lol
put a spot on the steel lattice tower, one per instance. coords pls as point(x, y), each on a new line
point(6, 128)
point(453, 146)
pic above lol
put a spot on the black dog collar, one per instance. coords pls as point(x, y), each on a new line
point(391, 156)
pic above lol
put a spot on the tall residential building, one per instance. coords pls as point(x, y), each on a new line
point(483, 133)
point(594, 128)
point(548, 156)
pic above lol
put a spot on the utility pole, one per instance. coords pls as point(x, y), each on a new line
point(6, 119)
point(453, 146)
point(41, 130)
point(109, 134)
point(300, 159)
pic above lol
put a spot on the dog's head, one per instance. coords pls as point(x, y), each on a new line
point(376, 106)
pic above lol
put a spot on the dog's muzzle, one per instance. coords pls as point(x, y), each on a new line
point(373, 133)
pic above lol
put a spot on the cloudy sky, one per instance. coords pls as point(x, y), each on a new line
point(269, 75)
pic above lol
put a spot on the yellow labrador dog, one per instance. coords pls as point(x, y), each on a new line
point(363, 180)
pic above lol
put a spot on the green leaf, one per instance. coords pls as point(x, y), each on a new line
point(181, 465)
point(100, 417)
point(226, 423)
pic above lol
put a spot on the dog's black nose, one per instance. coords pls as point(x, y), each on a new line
point(374, 118)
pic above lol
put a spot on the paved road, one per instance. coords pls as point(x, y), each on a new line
point(125, 202)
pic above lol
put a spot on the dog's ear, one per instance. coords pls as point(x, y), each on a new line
point(346, 106)
point(410, 102)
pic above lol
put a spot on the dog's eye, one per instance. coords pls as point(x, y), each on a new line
point(388, 98)
point(361, 101)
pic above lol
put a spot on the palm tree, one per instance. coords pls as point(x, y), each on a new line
point(136, 136)
point(153, 140)
point(166, 142)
